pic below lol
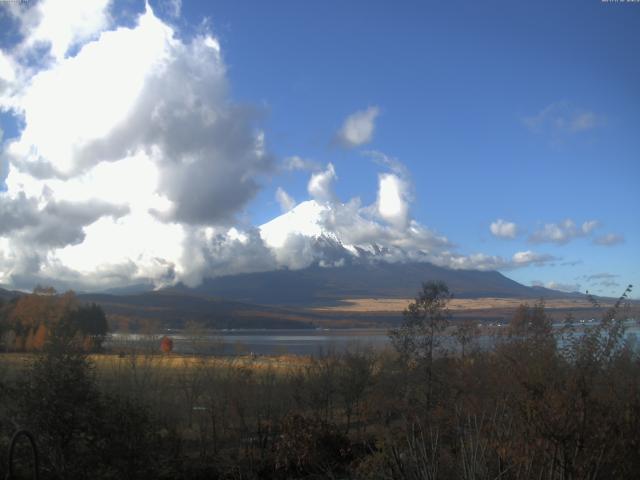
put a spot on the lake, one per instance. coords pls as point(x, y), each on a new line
point(259, 342)
point(278, 342)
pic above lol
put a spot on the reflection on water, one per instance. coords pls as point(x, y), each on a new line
point(270, 342)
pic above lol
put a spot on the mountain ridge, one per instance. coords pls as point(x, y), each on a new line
point(294, 298)
point(325, 285)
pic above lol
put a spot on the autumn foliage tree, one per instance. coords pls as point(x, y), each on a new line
point(531, 323)
point(29, 321)
point(82, 432)
point(418, 338)
point(166, 344)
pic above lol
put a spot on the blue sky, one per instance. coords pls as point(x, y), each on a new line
point(454, 81)
point(527, 112)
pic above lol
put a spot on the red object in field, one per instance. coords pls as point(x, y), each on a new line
point(166, 344)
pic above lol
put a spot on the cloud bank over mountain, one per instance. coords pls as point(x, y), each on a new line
point(135, 164)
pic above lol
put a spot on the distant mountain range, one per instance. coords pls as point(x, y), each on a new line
point(175, 310)
point(7, 294)
point(287, 298)
point(318, 285)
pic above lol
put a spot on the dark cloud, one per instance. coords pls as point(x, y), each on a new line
point(62, 223)
point(17, 213)
point(209, 151)
point(57, 224)
point(214, 254)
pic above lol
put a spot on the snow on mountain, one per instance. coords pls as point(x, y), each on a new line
point(305, 219)
point(330, 234)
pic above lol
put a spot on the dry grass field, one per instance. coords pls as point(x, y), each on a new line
point(12, 364)
point(397, 305)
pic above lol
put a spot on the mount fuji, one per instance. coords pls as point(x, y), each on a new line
point(333, 267)
point(305, 219)
point(329, 234)
point(324, 260)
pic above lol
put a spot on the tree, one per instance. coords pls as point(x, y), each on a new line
point(28, 313)
point(28, 343)
point(531, 322)
point(40, 337)
point(3, 323)
point(91, 323)
point(59, 402)
point(40, 290)
point(354, 378)
point(81, 432)
point(417, 339)
point(166, 344)
point(465, 333)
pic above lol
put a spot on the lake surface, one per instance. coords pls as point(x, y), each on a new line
point(259, 342)
point(278, 342)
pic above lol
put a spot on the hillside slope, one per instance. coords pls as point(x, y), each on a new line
point(317, 285)
point(176, 310)
point(7, 294)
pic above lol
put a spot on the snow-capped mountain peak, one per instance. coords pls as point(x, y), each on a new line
point(305, 219)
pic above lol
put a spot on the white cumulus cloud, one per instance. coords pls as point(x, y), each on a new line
point(562, 232)
point(61, 25)
point(320, 185)
point(332, 232)
point(295, 162)
point(528, 257)
point(392, 199)
point(134, 164)
point(358, 128)
point(503, 229)
point(482, 261)
point(285, 200)
point(131, 151)
point(553, 285)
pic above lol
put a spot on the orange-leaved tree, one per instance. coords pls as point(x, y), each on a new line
point(166, 344)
